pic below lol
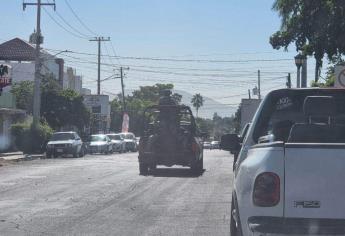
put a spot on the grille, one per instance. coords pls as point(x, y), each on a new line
point(60, 145)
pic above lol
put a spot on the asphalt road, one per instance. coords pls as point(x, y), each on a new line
point(105, 195)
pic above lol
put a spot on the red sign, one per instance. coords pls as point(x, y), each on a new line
point(5, 75)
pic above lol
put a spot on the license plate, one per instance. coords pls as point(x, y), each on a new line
point(59, 150)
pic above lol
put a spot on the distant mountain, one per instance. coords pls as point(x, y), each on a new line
point(209, 108)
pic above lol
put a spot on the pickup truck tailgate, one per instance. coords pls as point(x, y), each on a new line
point(315, 181)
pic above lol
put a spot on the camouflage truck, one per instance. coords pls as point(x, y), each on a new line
point(170, 137)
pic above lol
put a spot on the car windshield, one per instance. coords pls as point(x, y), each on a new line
point(98, 138)
point(129, 136)
point(62, 137)
point(114, 137)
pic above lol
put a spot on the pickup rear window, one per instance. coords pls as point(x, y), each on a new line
point(283, 109)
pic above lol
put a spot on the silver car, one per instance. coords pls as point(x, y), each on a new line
point(118, 142)
point(130, 141)
point(65, 143)
point(100, 143)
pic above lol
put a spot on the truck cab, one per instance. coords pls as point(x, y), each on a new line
point(288, 178)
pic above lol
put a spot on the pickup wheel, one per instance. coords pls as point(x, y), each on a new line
point(235, 229)
point(143, 168)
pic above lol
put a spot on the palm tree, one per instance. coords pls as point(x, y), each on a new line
point(197, 102)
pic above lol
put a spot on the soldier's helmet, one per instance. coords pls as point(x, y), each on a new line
point(165, 98)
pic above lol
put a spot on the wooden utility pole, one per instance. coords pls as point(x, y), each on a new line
point(99, 40)
point(38, 41)
point(123, 88)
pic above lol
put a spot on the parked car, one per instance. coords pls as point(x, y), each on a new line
point(130, 142)
point(215, 145)
point(289, 174)
point(100, 143)
point(65, 143)
point(118, 142)
point(206, 145)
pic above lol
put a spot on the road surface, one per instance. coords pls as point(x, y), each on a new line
point(105, 195)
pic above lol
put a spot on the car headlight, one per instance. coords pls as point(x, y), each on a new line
point(50, 145)
point(69, 145)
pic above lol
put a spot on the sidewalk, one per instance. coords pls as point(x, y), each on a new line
point(18, 156)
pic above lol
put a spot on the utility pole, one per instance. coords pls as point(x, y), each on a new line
point(288, 82)
point(123, 88)
point(99, 40)
point(259, 85)
point(39, 40)
point(304, 73)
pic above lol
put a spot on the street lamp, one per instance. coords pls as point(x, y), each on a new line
point(61, 52)
point(299, 61)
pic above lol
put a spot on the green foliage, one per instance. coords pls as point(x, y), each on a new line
point(23, 91)
point(60, 108)
point(237, 120)
point(217, 126)
point(197, 102)
point(31, 139)
point(316, 27)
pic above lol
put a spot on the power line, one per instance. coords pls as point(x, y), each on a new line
point(61, 26)
point(184, 60)
point(78, 18)
point(71, 26)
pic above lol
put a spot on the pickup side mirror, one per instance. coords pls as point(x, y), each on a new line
point(230, 142)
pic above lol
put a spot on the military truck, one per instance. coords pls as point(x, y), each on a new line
point(170, 137)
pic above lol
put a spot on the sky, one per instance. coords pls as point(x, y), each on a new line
point(212, 47)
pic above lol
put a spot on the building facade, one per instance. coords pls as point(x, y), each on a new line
point(100, 113)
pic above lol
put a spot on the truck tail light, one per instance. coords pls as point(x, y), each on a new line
point(195, 148)
point(266, 190)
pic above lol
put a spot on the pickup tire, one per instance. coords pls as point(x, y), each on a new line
point(143, 168)
point(235, 228)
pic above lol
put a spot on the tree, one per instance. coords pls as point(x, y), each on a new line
point(23, 91)
point(197, 102)
point(60, 108)
point(316, 27)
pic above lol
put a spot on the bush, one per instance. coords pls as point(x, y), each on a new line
point(30, 139)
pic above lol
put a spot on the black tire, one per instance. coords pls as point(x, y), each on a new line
point(82, 152)
point(234, 228)
point(194, 166)
point(201, 165)
point(76, 154)
point(143, 168)
point(153, 167)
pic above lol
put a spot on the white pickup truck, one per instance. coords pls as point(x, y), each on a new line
point(289, 178)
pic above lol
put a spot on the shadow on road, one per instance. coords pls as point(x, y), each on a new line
point(176, 172)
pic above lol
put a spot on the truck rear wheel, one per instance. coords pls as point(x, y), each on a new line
point(143, 168)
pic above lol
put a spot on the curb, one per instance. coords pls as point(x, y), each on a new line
point(25, 157)
point(8, 154)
